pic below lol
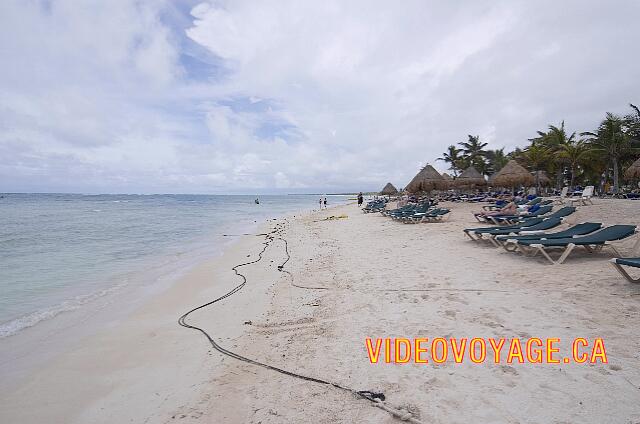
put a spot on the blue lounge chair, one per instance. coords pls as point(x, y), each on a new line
point(593, 242)
point(632, 262)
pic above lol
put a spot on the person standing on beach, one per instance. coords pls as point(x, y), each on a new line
point(325, 202)
point(360, 199)
point(320, 201)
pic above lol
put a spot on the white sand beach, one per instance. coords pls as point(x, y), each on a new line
point(349, 279)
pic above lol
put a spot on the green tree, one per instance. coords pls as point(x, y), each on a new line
point(496, 160)
point(553, 140)
point(453, 158)
point(575, 155)
point(535, 157)
point(612, 141)
point(474, 153)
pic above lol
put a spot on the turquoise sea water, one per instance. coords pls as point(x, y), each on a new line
point(59, 252)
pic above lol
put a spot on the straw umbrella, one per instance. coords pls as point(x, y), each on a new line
point(541, 179)
point(633, 171)
point(512, 175)
point(427, 180)
point(389, 190)
point(470, 178)
point(447, 179)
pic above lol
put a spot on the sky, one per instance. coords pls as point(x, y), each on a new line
point(293, 96)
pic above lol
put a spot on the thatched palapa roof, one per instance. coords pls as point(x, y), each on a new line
point(389, 189)
point(448, 179)
point(426, 180)
point(511, 175)
point(633, 171)
point(470, 177)
point(543, 179)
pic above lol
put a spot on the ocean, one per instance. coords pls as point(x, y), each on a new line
point(62, 252)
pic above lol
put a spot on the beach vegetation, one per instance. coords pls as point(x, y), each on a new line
point(597, 157)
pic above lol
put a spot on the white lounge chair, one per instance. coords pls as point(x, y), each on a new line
point(563, 196)
point(586, 196)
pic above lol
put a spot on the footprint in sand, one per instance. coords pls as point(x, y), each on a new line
point(508, 370)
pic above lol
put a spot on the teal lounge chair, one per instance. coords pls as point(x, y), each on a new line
point(494, 206)
point(593, 242)
point(540, 227)
point(510, 242)
point(511, 219)
point(631, 262)
point(433, 215)
point(479, 231)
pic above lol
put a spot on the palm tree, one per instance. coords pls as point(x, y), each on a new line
point(613, 142)
point(633, 123)
point(474, 153)
point(553, 140)
point(497, 159)
point(575, 155)
point(453, 158)
point(536, 156)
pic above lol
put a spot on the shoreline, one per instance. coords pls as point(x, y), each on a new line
point(32, 350)
point(121, 344)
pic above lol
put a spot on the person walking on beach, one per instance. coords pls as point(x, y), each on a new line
point(360, 199)
point(325, 202)
point(320, 202)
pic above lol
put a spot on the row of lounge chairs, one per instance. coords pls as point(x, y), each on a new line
point(529, 236)
point(413, 213)
point(533, 210)
point(501, 203)
point(584, 198)
point(375, 206)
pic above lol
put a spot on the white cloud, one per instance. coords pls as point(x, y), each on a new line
point(288, 94)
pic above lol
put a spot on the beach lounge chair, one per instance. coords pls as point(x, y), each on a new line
point(563, 195)
point(631, 262)
point(586, 196)
point(400, 215)
point(512, 219)
point(433, 215)
point(510, 242)
point(560, 213)
point(593, 242)
point(400, 210)
point(540, 227)
point(478, 231)
point(374, 206)
point(503, 203)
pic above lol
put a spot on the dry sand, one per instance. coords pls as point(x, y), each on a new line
point(364, 276)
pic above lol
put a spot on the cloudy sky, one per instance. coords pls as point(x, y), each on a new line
point(292, 96)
